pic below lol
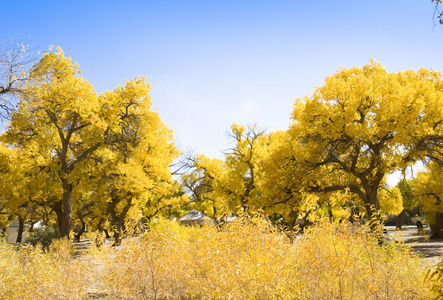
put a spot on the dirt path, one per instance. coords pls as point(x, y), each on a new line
point(430, 249)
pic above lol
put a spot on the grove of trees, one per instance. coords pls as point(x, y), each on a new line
point(362, 125)
point(83, 156)
point(70, 156)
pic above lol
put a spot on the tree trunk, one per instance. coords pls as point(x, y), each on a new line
point(21, 225)
point(400, 219)
point(31, 227)
point(81, 231)
point(118, 233)
point(101, 228)
point(67, 209)
point(373, 208)
point(107, 236)
point(354, 217)
point(118, 220)
point(373, 217)
point(330, 214)
point(57, 207)
point(244, 205)
point(437, 227)
point(293, 216)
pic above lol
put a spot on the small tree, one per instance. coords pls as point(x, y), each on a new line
point(230, 184)
point(15, 60)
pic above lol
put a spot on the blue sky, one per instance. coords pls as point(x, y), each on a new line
point(212, 63)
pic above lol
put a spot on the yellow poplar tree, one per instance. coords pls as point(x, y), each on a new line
point(285, 187)
point(363, 124)
point(391, 201)
point(139, 150)
point(208, 184)
point(428, 191)
point(164, 199)
point(231, 184)
point(200, 191)
point(23, 182)
point(280, 191)
point(60, 113)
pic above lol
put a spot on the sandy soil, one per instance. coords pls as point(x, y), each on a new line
point(430, 249)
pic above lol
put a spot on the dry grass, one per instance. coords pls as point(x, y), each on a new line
point(29, 273)
point(435, 279)
point(246, 259)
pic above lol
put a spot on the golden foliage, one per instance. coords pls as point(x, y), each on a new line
point(250, 259)
point(428, 189)
point(435, 278)
point(29, 273)
point(391, 201)
point(362, 125)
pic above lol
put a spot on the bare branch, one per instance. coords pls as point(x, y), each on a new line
point(15, 60)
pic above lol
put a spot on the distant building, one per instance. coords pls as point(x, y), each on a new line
point(194, 217)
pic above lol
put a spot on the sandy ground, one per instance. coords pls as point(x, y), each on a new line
point(430, 249)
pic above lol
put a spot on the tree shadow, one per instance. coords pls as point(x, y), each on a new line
point(423, 245)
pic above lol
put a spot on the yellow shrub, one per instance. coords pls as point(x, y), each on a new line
point(29, 273)
point(249, 259)
point(245, 259)
point(435, 279)
point(149, 266)
point(345, 261)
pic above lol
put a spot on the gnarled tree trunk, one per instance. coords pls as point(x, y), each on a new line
point(81, 231)
point(57, 207)
point(400, 219)
point(118, 219)
point(21, 225)
point(293, 216)
point(437, 227)
point(65, 228)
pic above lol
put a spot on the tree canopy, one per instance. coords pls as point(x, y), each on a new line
point(428, 190)
point(106, 158)
point(88, 145)
point(364, 124)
